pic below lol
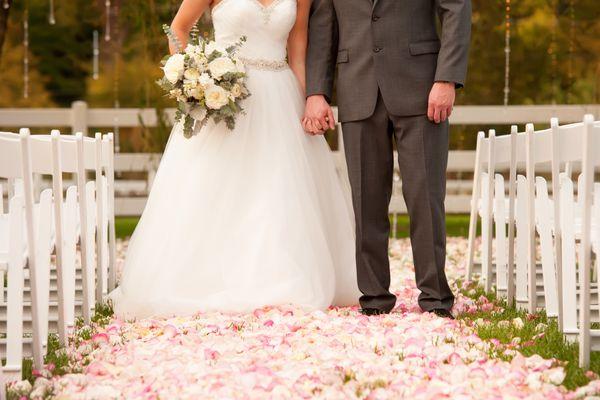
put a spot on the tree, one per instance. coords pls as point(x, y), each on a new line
point(4, 14)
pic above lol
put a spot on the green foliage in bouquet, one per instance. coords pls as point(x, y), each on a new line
point(206, 79)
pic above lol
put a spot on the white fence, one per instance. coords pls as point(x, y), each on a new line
point(135, 172)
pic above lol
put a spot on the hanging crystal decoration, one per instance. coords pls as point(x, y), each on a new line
point(51, 18)
point(107, 27)
point(26, 52)
point(6, 4)
point(507, 53)
point(552, 51)
point(117, 103)
point(95, 59)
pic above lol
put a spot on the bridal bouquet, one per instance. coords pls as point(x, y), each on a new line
point(206, 80)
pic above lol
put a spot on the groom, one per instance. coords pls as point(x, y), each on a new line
point(396, 83)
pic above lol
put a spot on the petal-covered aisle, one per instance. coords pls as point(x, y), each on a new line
point(286, 353)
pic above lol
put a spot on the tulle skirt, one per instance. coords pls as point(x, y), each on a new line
point(237, 220)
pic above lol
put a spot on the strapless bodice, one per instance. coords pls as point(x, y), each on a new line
point(266, 28)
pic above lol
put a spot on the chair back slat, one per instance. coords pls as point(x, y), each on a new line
point(11, 165)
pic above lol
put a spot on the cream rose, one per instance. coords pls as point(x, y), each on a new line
point(221, 66)
point(216, 97)
point(236, 90)
point(191, 74)
point(174, 67)
point(192, 90)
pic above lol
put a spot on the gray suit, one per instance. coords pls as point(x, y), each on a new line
point(388, 55)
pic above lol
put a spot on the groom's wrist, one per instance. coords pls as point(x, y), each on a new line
point(318, 95)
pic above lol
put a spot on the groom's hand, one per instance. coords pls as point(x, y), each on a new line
point(441, 101)
point(318, 115)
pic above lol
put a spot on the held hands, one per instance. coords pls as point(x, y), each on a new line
point(441, 101)
point(318, 116)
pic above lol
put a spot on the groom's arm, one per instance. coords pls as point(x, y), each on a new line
point(451, 72)
point(322, 49)
point(455, 18)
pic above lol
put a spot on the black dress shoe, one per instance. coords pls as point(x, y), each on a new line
point(372, 311)
point(442, 312)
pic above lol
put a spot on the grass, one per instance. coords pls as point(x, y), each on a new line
point(124, 226)
point(551, 344)
point(56, 356)
point(456, 225)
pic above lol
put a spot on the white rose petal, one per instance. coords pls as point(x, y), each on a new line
point(555, 376)
point(216, 97)
point(22, 388)
point(518, 323)
point(174, 67)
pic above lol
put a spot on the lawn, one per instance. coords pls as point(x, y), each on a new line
point(456, 225)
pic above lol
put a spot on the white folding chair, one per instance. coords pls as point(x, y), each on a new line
point(589, 339)
point(478, 197)
point(16, 163)
point(108, 165)
point(70, 153)
point(91, 211)
point(567, 142)
point(495, 208)
point(540, 151)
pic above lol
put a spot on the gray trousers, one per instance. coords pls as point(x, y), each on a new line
point(423, 157)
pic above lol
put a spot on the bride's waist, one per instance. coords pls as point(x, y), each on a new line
point(264, 64)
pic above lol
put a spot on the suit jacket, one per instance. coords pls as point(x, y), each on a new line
point(390, 46)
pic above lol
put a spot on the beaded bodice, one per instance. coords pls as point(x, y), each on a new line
point(266, 28)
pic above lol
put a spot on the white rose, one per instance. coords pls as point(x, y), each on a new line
point(220, 66)
point(174, 68)
point(191, 74)
point(205, 80)
point(211, 47)
point(216, 97)
point(198, 113)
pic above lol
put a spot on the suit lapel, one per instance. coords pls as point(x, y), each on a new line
point(375, 3)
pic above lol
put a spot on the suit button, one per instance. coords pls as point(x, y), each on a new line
point(375, 18)
point(376, 49)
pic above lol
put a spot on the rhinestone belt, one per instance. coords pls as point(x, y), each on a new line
point(264, 65)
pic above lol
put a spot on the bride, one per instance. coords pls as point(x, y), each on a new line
point(237, 220)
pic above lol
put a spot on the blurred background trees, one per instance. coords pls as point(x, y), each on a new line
point(555, 56)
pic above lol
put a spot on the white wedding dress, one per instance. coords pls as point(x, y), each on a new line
point(237, 220)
